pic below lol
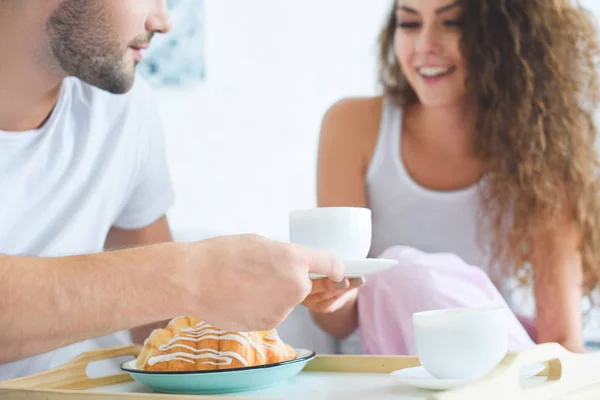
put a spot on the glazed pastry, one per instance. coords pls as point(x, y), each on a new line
point(190, 344)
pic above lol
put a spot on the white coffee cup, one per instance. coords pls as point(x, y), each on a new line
point(461, 343)
point(343, 231)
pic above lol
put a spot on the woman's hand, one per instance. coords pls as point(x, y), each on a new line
point(327, 296)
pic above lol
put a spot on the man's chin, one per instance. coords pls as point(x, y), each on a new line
point(122, 88)
point(115, 84)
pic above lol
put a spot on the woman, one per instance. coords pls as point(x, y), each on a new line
point(482, 145)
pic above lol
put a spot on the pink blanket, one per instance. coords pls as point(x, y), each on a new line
point(421, 282)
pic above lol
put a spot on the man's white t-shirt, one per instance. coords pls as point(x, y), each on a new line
point(98, 162)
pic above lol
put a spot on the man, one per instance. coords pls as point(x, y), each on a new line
point(82, 168)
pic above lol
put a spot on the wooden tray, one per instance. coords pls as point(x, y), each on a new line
point(567, 375)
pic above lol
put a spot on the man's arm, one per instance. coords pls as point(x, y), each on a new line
point(158, 232)
point(47, 303)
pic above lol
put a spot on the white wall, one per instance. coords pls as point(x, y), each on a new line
point(242, 147)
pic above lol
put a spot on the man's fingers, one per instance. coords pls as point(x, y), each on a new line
point(323, 263)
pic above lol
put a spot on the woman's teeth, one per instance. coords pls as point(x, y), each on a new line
point(433, 72)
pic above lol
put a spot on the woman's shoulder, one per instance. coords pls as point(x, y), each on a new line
point(351, 126)
point(356, 108)
point(357, 116)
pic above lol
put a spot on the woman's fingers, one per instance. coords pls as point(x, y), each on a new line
point(357, 282)
point(328, 296)
point(327, 285)
point(324, 285)
point(334, 294)
point(345, 284)
point(324, 296)
point(333, 304)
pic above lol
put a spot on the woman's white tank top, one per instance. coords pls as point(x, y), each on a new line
point(406, 213)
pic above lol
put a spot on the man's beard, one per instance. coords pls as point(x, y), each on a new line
point(80, 41)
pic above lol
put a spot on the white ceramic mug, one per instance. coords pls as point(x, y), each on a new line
point(343, 231)
point(461, 343)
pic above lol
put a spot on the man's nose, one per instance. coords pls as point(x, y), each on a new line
point(159, 19)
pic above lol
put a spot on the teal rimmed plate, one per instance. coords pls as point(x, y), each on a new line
point(220, 381)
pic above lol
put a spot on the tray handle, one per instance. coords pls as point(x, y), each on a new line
point(566, 373)
point(73, 375)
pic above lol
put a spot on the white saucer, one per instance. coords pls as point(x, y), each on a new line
point(367, 266)
point(418, 377)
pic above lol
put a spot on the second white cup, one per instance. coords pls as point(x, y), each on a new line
point(462, 343)
point(343, 231)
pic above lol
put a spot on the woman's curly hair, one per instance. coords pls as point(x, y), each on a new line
point(531, 72)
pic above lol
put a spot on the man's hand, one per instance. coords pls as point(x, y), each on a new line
point(238, 283)
point(248, 283)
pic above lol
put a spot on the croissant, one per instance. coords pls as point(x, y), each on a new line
point(190, 344)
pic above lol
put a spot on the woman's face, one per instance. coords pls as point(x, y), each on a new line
point(427, 46)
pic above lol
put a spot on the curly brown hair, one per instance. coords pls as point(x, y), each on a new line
point(531, 72)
